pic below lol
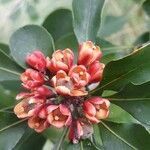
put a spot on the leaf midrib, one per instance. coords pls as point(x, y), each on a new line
point(118, 136)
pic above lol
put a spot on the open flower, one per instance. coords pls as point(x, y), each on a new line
point(25, 108)
point(64, 85)
point(88, 53)
point(79, 76)
point(61, 60)
point(37, 60)
point(59, 115)
point(96, 71)
point(96, 108)
point(32, 78)
point(38, 124)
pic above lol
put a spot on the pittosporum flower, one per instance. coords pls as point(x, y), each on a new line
point(64, 85)
point(32, 78)
point(59, 115)
point(57, 91)
point(38, 124)
point(79, 76)
point(96, 108)
point(88, 53)
point(61, 60)
point(96, 71)
point(37, 60)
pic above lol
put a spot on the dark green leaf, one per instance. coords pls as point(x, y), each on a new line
point(135, 99)
point(15, 135)
point(118, 115)
point(29, 140)
point(124, 136)
point(68, 41)
point(5, 48)
point(87, 18)
point(9, 70)
point(133, 68)
point(110, 51)
point(145, 37)
point(59, 23)
point(146, 6)
point(27, 39)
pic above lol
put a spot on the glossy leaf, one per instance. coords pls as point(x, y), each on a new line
point(9, 70)
point(110, 51)
point(28, 39)
point(5, 48)
point(145, 37)
point(15, 135)
point(68, 41)
point(133, 68)
point(146, 6)
point(135, 99)
point(118, 115)
point(59, 23)
point(123, 136)
point(87, 18)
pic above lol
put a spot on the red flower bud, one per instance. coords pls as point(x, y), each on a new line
point(32, 78)
point(59, 115)
point(88, 53)
point(61, 60)
point(96, 71)
point(96, 108)
point(37, 60)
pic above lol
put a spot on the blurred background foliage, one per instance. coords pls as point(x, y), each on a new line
point(123, 21)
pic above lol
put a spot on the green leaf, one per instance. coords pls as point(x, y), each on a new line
point(110, 51)
point(59, 23)
point(87, 18)
point(15, 135)
point(133, 68)
point(124, 136)
point(111, 24)
point(68, 41)
point(135, 99)
point(27, 39)
point(30, 139)
point(5, 48)
point(9, 70)
point(145, 37)
point(118, 115)
point(146, 6)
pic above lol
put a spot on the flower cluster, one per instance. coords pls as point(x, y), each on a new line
point(56, 91)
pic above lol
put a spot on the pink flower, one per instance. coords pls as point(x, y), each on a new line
point(96, 71)
point(38, 124)
point(32, 78)
point(59, 115)
point(96, 108)
point(75, 131)
point(26, 108)
point(79, 76)
point(61, 60)
point(64, 85)
point(88, 53)
point(37, 60)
